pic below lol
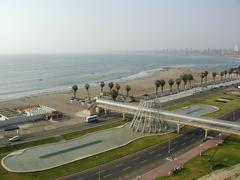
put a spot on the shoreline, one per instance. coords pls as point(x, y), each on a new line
point(135, 76)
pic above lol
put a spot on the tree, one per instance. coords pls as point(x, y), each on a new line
point(162, 84)
point(184, 78)
point(128, 88)
point(214, 74)
point(171, 83)
point(118, 87)
point(190, 79)
point(202, 77)
point(114, 94)
point(230, 71)
point(102, 84)
point(225, 74)
point(205, 75)
point(178, 82)
point(222, 74)
point(110, 85)
point(157, 85)
point(87, 86)
point(74, 88)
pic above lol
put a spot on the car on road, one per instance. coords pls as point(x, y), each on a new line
point(15, 138)
point(91, 118)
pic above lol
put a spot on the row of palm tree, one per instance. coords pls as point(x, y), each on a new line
point(185, 78)
point(102, 85)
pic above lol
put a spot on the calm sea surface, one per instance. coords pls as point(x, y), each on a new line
point(25, 75)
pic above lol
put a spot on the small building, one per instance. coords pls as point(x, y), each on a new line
point(26, 114)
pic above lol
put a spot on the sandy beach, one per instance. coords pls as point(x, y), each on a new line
point(139, 86)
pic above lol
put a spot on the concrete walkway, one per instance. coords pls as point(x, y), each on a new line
point(165, 169)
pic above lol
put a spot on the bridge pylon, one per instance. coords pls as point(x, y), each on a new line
point(146, 121)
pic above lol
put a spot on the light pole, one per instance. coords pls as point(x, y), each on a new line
point(200, 153)
point(169, 147)
point(219, 137)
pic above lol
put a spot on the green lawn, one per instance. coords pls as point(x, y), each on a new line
point(222, 156)
point(215, 158)
point(210, 100)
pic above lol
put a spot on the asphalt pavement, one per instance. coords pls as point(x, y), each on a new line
point(132, 166)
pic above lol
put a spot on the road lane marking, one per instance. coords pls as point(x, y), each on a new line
point(126, 168)
point(107, 175)
point(118, 165)
point(101, 171)
point(143, 161)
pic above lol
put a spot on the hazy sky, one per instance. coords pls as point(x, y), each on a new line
point(75, 26)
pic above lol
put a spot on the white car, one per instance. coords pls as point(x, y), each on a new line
point(14, 138)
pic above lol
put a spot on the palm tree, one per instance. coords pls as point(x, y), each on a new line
point(214, 74)
point(114, 94)
point(190, 79)
point(117, 86)
point(157, 84)
point(230, 71)
point(221, 74)
point(162, 84)
point(128, 88)
point(74, 88)
point(87, 86)
point(171, 83)
point(184, 77)
point(178, 82)
point(102, 84)
point(202, 77)
point(205, 75)
point(110, 85)
point(225, 74)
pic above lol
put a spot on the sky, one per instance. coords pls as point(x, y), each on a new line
point(76, 26)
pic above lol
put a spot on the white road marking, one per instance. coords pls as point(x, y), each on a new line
point(143, 161)
point(107, 175)
point(126, 168)
point(118, 165)
point(101, 171)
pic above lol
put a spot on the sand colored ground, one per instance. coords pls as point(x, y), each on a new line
point(60, 100)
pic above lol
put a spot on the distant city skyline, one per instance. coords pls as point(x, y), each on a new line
point(77, 26)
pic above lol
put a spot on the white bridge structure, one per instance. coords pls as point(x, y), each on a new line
point(148, 112)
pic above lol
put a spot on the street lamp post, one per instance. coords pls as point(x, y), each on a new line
point(200, 153)
point(219, 137)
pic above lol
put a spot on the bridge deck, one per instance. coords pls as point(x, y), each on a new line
point(205, 123)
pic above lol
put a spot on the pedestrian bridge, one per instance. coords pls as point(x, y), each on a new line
point(179, 119)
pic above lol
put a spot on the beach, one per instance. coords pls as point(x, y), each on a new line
point(139, 86)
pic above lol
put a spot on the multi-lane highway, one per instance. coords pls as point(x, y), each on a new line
point(134, 165)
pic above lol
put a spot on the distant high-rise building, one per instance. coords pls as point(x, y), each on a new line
point(236, 48)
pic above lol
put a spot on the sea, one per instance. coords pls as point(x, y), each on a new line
point(26, 75)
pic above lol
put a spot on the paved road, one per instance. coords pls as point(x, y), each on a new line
point(58, 131)
point(131, 166)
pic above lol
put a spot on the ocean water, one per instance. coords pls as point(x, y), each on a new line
point(24, 75)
